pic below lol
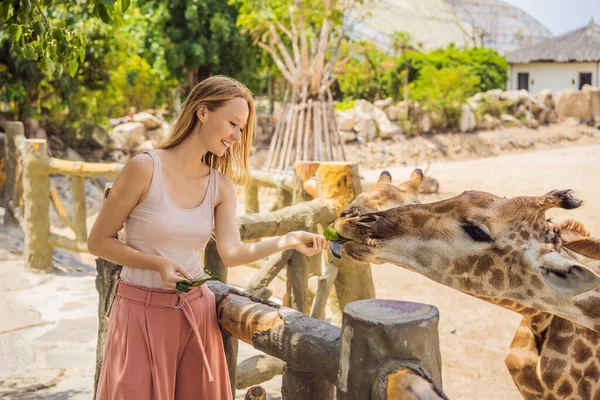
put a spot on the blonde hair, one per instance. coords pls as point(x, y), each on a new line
point(212, 93)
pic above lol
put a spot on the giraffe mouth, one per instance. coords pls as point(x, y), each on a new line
point(336, 247)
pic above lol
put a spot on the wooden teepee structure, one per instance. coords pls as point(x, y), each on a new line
point(306, 129)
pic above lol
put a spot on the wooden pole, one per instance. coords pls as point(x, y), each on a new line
point(300, 385)
point(258, 369)
point(214, 263)
point(268, 272)
point(256, 393)
point(379, 333)
point(297, 282)
point(79, 209)
point(36, 196)
point(252, 204)
point(14, 130)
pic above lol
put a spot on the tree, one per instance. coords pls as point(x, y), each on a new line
point(199, 38)
point(303, 38)
point(403, 42)
point(37, 36)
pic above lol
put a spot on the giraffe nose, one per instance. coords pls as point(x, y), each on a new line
point(368, 219)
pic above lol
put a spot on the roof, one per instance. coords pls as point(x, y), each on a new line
point(581, 45)
point(432, 23)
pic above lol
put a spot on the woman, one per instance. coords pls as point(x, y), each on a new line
point(163, 344)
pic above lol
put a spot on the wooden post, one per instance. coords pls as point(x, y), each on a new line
point(299, 385)
point(252, 204)
point(14, 129)
point(297, 282)
point(268, 272)
point(339, 183)
point(79, 222)
point(214, 263)
point(107, 276)
point(36, 196)
point(256, 393)
point(379, 333)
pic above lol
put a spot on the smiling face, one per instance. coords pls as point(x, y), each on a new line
point(480, 244)
point(222, 128)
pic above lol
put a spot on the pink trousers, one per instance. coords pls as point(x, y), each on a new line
point(163, 345)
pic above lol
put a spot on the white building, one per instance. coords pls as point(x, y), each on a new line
point(563, 62)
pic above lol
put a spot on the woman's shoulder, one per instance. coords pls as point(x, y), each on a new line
point(138, 169)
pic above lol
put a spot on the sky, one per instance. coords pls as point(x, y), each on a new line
point(560, 16)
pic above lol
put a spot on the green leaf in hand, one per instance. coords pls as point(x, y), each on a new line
point(185, 286)
point(331, 234)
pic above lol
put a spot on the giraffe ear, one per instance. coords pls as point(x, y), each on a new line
point(567, 276)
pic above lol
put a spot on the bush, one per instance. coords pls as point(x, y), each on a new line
point(444, 90)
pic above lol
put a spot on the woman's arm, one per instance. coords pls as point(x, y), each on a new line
point(129, 189)
point(231, 249)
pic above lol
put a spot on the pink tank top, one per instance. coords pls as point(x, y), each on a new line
point(158, 226)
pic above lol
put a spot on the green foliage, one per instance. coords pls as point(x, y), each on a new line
point(361, 71)
point(113, 77)
point(37, 35)
point(346, 104)
point(199, 38)
point(444, 90)
point(486, 64)
point(366, 71)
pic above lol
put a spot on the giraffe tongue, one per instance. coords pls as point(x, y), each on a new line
point(336, 248)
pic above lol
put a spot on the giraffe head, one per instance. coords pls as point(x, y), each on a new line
point(503, 250)
point(385, 195)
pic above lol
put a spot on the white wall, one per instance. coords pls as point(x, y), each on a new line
point(554, 76)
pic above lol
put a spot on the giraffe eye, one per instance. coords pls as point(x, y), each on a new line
point(477, 233)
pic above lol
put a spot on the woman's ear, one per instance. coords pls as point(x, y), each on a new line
point(201, 113)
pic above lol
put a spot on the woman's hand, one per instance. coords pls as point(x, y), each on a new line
point(306, 243)
point(172, 272)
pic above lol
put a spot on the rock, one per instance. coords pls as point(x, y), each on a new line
point(489, 122)
point(146, 145)
point(100, 136)
point(403, 109)
point(531, 121)
point(128, 136)
point(521, 110)
point(424, 124)
point(348, 136)
point(72, 155)
point(552, 117)
point(346, 120)
point(393, 113)
point(571, 103)
point(510, 120)
point(383, 104)
point(467, 120)
point(158, 135)
point(429, 185)
point(594, 96)
point(545, 97)
point(33, 129)
point(385, 127)
point(149, 120)
point(365, 128)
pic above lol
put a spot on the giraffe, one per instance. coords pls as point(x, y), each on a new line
point(506, 252)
